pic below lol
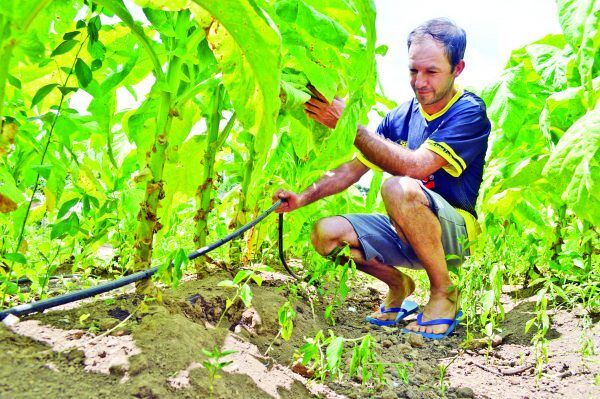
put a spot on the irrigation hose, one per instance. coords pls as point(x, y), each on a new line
point(280, 246)
point(39, 306)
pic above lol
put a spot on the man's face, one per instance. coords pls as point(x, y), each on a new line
point(431, 75)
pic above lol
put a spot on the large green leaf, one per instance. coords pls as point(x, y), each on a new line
point(574, 167)
point(507, 99)
point(347, 72)
point(561, 110)
point(248, 52)
point(292, 96)
point(580, 20)
point(313, 42)
point(571, 15)
point(549, 58)
point(296, 125)
point(588, 52)
point(314, 23)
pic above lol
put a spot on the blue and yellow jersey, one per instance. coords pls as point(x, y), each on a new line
point(458, 133)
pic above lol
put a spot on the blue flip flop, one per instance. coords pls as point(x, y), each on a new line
point(408, 307)
point(452, 323)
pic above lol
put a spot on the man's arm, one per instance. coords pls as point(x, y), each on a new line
point(386, 154)
point(330, 183)
point(395, 159)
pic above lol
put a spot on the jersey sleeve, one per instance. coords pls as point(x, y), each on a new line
point(461, 139)
point(388, 129)
point(384, 126)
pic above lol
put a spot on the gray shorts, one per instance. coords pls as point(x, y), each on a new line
point(379, 240)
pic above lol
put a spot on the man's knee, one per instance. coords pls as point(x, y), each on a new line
point(402, 191)
point(327, 234)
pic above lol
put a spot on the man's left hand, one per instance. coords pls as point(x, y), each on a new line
point(322, 110)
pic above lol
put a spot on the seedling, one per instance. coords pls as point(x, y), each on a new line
point(443, 369)
point(214, 365)
point(542, 323)
point(587, 349)
point(333, 280)
point(242, 288)
point(324, 356)
point(286, 316)
point(402, 370)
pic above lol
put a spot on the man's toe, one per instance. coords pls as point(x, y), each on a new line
point(381, 316)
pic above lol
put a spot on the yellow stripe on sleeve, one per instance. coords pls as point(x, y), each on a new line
point(456, 165)
point(368, 163)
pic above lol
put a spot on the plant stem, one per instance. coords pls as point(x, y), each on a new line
point(272, 342)
point(205, 189)
point(235, 251)
point(155, 162)
point(148, 214)
point(37, 179)
point(191, 92)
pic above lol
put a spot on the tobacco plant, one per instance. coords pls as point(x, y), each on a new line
point(539, 198)
point(212, 123)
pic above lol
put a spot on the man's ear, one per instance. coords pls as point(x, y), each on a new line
point(459, 68)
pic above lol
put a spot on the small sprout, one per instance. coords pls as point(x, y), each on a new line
point(214, 365)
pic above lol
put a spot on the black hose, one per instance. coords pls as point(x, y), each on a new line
point(237, 233)
point(280, 245)
point(77, 295)
point(112, 285)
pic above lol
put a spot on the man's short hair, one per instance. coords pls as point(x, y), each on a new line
point(446, 32)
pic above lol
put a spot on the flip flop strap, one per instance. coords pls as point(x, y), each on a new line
point(382, 309)
point(434, 322)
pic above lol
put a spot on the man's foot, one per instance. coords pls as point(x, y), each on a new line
point(440, 306)
point(394, 298)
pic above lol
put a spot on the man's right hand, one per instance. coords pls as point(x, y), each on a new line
point(290, 200)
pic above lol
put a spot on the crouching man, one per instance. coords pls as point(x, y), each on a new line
point(434, 147)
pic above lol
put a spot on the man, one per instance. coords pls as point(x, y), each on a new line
point(434, 146)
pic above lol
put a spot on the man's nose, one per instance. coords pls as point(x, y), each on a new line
point(420, 81)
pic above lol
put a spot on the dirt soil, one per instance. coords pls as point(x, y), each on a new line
point(119, 348)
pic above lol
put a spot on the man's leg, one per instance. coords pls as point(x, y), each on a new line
point(334, 232)
point(407, 206)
